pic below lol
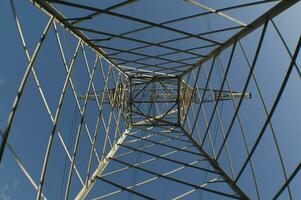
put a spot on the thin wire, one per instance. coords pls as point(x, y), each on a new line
point(135, 173)
point(266, 112)
point(242, 132)
point(72, 127)
point(218, 114)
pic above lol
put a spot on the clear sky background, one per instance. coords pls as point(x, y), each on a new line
point(32, 125)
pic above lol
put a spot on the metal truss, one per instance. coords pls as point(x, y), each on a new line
point(153, 99)
point(151, 119)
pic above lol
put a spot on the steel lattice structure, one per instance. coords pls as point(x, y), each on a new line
point(114, 104)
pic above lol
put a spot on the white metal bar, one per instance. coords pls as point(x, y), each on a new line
point(102, 165)
point(207, 8)
point(22, 86)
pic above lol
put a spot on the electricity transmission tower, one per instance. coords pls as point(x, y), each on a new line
point(137, 99)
